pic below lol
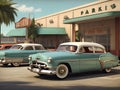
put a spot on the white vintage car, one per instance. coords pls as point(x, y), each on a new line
point(18, 53)
point(73, 57)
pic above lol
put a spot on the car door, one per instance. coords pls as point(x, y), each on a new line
point(88, 60)
point(26, 52)
point(31, 50)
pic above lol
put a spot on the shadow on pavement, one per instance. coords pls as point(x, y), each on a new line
point(80, 76)
point(25, 86)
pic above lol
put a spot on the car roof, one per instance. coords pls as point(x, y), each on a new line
point(26, 44)
point(83, 44)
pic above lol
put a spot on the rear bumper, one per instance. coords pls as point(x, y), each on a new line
point(39, 71)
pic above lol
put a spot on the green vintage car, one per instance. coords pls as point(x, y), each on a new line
point(73, 57)
point(18, 53)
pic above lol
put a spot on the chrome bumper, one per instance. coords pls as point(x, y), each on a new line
point(2, 61)
point(39, 71)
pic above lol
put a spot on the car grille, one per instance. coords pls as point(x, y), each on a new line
point(36, 64)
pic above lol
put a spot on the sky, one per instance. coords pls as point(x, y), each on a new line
point(40, 8)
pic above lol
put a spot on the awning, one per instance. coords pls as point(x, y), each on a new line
point(51, 31)
point(91, 17)
point(41, 31)
point(17, 32)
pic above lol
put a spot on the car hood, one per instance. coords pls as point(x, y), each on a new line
point(56, 55)
point(63, 55)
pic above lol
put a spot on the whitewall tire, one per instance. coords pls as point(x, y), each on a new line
point(15, 64)
point(107, 70)
point(62, 71)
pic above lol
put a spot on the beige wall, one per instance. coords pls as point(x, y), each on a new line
point(57, 21)
point(76, 12)
point(42, 21)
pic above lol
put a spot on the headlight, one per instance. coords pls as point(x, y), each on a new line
point(49, 60)
point(29, 58)
point(3, 61)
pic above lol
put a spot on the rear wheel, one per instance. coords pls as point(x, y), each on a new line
point(107, 70)
point(16, 64)
point(62, 71)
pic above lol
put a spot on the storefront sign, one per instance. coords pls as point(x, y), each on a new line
point(98, 9)
point(96, 32)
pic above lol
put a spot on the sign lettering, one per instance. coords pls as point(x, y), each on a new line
point(99, 9)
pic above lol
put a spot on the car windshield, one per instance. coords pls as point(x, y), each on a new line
point(70, 48)
point(18, 47)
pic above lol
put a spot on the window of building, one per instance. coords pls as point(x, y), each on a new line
point(101, 38)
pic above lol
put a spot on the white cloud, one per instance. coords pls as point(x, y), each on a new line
point(24, 8)
point(38, 10)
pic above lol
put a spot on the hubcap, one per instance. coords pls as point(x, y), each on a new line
point(62, 71)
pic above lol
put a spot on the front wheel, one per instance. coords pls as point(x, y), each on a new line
point(15, 64)
point(62, 71)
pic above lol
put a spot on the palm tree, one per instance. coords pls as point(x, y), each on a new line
point(32, 31)
point(7, 13)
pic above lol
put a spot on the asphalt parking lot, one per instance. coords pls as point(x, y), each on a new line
point(19, 78)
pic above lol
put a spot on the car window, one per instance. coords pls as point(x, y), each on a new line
point(82, 50)
point(39, 48)
point(86, 49)
point(71, 48)
point(98, 50)
point(28, 48)
point(7, 47)
point(16, 47)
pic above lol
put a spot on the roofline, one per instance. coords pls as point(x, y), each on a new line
point(77, 7)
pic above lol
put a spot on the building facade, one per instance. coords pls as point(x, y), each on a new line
point(95, 22)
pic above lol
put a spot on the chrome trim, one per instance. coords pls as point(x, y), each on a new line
point(109, 61)
point(38, 61)
point(11, 60)
point(39, 64)
point(39, 71)
point(20, 59)
point(102, 62)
